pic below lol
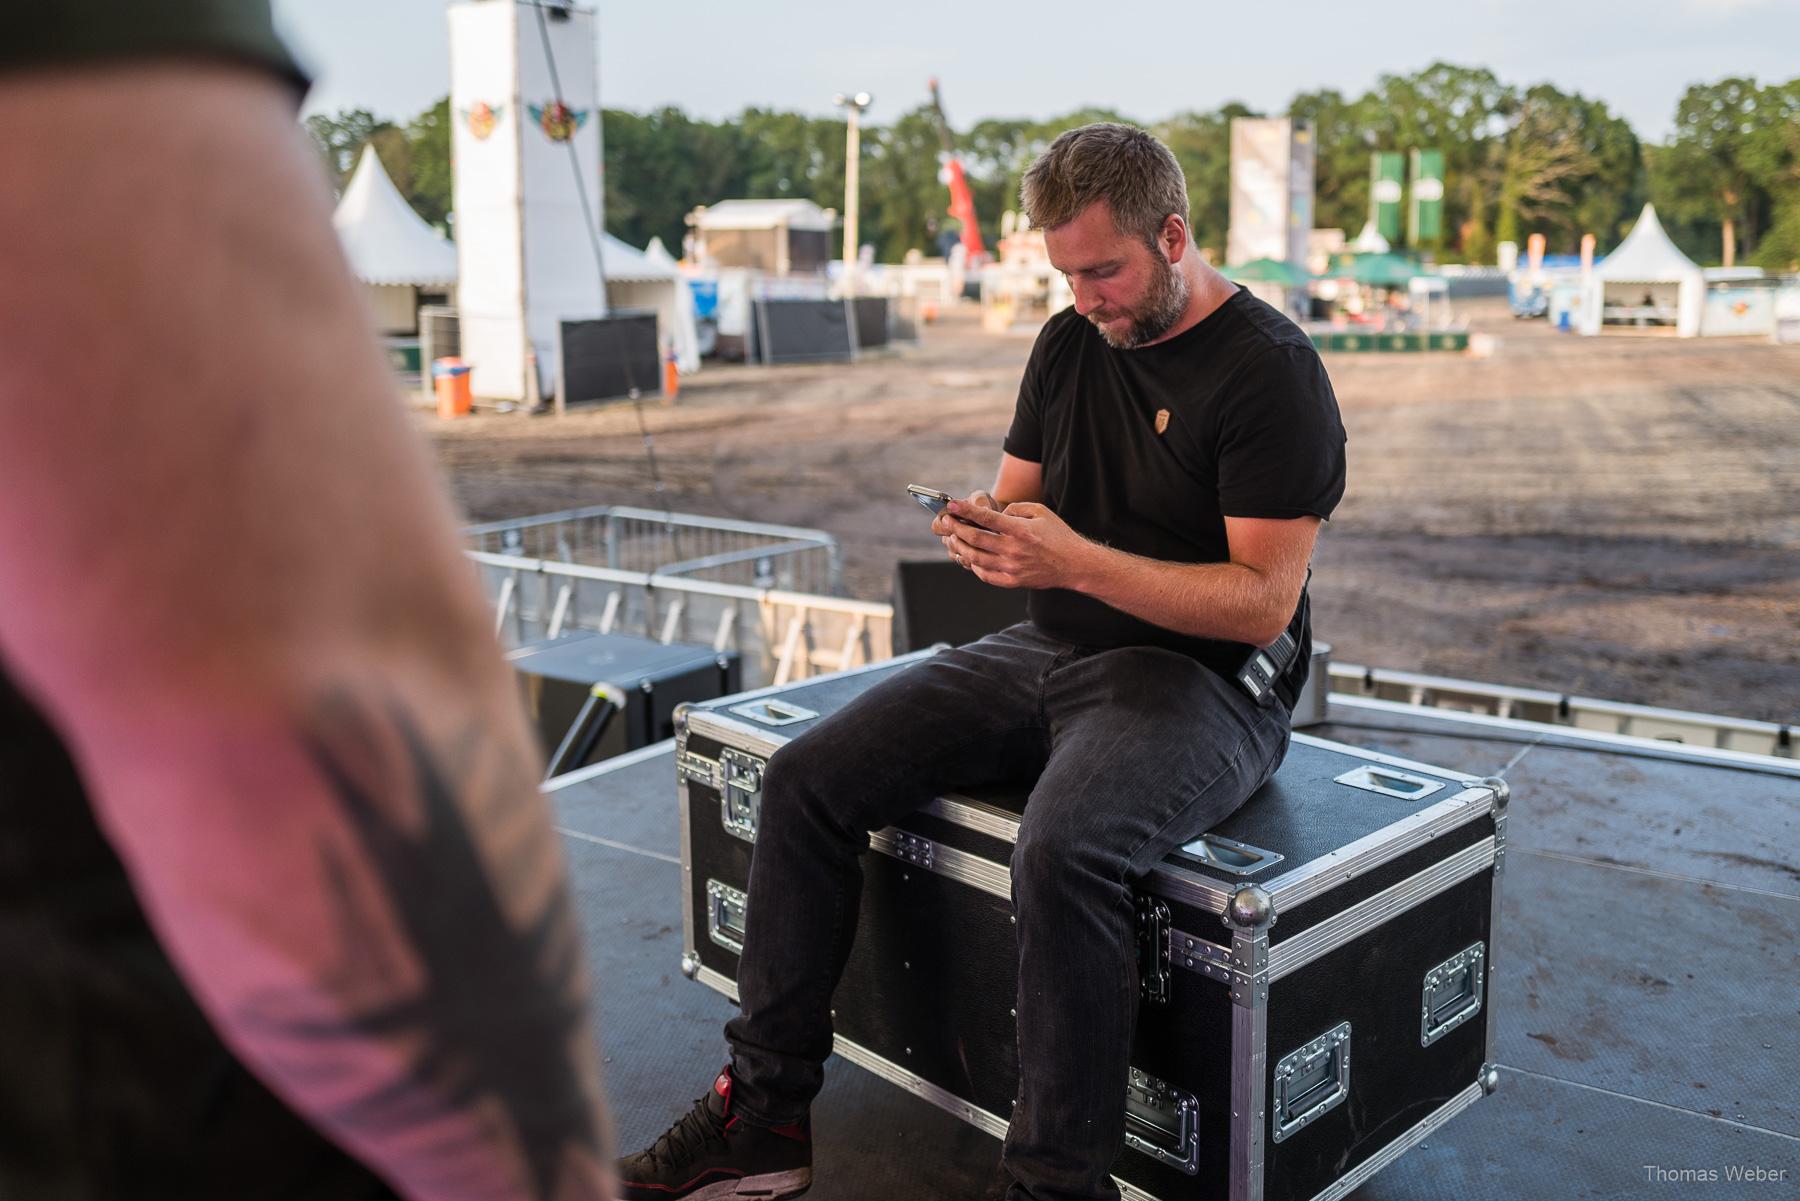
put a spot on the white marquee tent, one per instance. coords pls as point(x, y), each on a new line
point(389, 247)
point(1645, 272)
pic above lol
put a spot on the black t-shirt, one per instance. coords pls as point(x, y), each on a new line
point(113, 1085)
point(1149, 450)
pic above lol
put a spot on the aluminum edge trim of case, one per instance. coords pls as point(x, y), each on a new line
point(719, 982)
point(992, 878)
point(975, 815)
point(918, 1086)
point(1359, 1175)
point(735, 732)
point(1502, 806)
point(690, 947)
point(1311, 880)
point(1372, 912)
point(1176, 884)
point(1249, 1071)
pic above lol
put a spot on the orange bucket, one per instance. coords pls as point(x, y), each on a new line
point(450, 380)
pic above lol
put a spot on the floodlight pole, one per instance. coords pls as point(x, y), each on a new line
point(854, 106)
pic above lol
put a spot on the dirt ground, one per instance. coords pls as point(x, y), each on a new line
point(1615, 517)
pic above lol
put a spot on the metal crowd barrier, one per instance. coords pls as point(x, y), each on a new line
point(1562, 709)
point(768, 592)
point(716, 549)
point(781, 636)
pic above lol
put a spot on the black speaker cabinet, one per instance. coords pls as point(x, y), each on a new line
point(633, 683)
point(937, 601)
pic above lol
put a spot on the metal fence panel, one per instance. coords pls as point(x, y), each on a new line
point(720, 550)
point(765, 591)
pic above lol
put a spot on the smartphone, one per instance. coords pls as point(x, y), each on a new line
point(933, 500)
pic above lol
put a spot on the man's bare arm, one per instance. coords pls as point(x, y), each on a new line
point(1249, 599)
point(228, 574)
point(1017, 480)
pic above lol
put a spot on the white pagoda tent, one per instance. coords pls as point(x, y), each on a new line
point(1645, 275)
point(390, 248)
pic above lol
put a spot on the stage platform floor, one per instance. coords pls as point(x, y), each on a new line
point(1648, 989)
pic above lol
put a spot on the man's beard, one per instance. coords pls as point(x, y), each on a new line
point(1162, 307)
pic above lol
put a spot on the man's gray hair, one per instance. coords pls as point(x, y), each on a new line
point(1121, 164)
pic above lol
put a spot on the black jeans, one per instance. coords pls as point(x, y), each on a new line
point(1136, 750)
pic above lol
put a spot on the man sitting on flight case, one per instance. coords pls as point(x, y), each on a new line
point(1175, 446)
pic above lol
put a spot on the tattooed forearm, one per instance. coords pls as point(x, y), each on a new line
point(476, 1013)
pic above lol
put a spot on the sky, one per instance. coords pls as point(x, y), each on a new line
point(715, 58)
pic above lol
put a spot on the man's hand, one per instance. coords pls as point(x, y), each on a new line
point(1026, 546)
point(944, 525)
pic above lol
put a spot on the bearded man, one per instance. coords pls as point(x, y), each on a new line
point(1175, 446)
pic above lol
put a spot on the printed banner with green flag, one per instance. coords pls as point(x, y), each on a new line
point(1387, 182)
point(1425, 215)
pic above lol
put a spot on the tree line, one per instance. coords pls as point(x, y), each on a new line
point(1518, 161)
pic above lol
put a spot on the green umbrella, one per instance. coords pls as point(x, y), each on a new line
point(1382, 270)
point(1268, 271)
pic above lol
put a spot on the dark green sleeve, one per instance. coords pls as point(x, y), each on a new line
point(48, 33)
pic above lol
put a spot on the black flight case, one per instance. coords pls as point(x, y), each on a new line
point(1314, 971)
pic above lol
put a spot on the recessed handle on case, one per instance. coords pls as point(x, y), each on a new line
point(1229, 855)
point(725, 916)
point(1310, 1081)
point(771, 712)
point(1452, 993)
point(1162, 1121)
point(740, 792)
point(1389, 782)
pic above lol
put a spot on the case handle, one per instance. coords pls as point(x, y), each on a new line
point(1452, 993)
point(1311, 1081)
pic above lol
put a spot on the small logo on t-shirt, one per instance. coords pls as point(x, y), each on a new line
point(1162, 420)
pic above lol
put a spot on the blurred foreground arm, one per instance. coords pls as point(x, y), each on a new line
point(230, 578)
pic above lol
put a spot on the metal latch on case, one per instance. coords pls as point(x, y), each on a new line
point(1154, 957)
point(698, 769)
